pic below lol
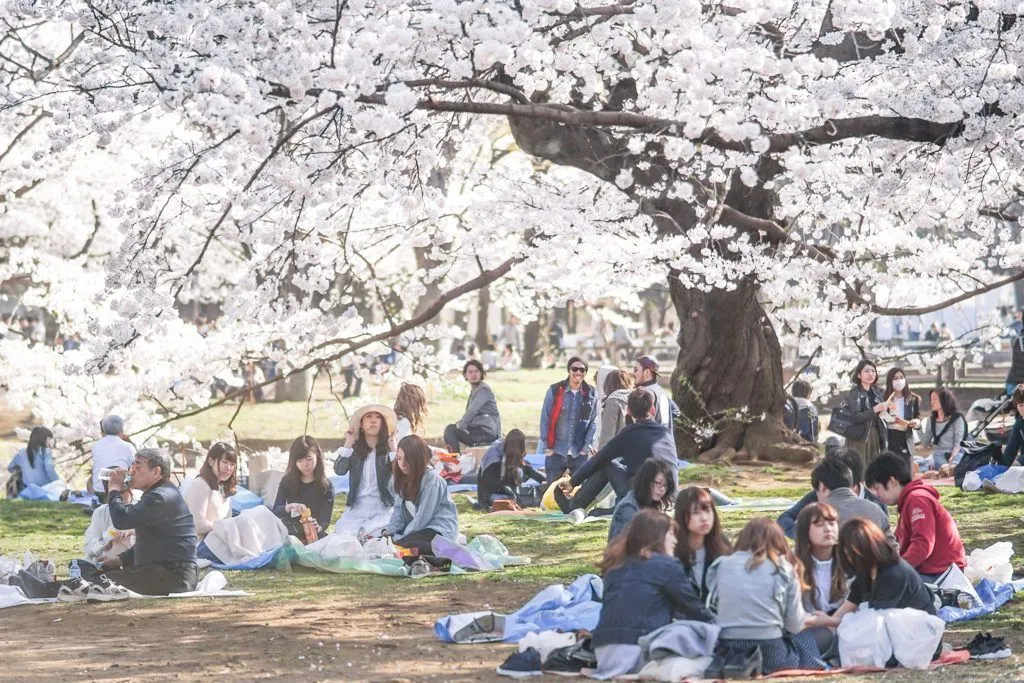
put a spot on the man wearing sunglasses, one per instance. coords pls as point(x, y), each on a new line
point(567, 421)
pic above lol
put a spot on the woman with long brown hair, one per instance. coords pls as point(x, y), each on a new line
point(615, 395)
point(305, 485)
point(703, 540)
point(756, 593)
point(423, 509)
point(504, 469)
point(366, 458)
point(880, 577)
point(817, 533)
point(643, 587)
point(207, 495)
point(411, 409)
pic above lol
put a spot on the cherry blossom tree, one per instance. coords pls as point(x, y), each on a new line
point(790, 166)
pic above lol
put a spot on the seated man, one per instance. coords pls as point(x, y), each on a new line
point(480, 424)
point(832, 481)
point(113, 450)
point(928, 538)
point(853, 460)
point(800, 414)
point(164, 557)
point(622, 456)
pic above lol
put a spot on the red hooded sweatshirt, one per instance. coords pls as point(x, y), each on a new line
point(928, 537)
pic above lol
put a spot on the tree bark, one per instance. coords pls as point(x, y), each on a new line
point(483, 337)
point(531, 345)
point(728, 378)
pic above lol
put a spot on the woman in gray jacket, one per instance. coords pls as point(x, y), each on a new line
point(615, 390)
point(423, 510)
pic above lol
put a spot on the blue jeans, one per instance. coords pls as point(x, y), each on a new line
point(555, 465)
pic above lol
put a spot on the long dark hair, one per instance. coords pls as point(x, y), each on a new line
point(863, 549)
point(644, 479)
point(411, 403)
point(808, 517)
point(300, 448)
point(417, 459)
point(643, 536)
point(947, 401)
point(220, 451)
point(907, 394)
point(864, 362)
point(513, 451)
point(617, 379)
point(361, 448)
point(37, 443)
point(691, 499)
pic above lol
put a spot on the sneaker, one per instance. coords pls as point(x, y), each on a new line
point(419, 568)
point(985, 647)
point(521, 664)
point(74, 590)
point(105, 590)
point(577, 516)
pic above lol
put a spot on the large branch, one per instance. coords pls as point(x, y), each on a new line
point(484, 279)
point(931, 308)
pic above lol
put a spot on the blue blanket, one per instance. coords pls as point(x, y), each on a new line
point(556, 607)
point(993, 596)
point(258, 562)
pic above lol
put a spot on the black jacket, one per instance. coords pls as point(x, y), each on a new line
point(164, 530)
point(353, 466)
point(634, 444)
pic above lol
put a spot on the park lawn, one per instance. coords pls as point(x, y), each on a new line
point(519, 395)
point(559, 554)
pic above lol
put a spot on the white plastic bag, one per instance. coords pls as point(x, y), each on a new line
point(972, 481)
point(863, 640)
point(992, 563)
point(914, 635)
point(377, 548)
point(337, 545)
point(954, 579)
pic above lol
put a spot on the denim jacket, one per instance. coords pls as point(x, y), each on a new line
point(641, 596)
point(574, 417)
point(347, 464)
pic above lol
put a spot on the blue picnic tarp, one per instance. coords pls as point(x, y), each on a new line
point(262, 560)
point(993, 596)
point(244, 499)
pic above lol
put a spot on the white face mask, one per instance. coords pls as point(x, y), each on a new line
point(899, 384)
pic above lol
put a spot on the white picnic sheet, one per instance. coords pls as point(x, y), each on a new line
point(212, 586)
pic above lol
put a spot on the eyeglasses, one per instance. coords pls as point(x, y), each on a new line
point(577, 369)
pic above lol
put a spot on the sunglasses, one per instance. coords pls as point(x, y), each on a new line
point(577, 369)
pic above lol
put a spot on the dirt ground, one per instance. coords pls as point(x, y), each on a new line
point(239, 639)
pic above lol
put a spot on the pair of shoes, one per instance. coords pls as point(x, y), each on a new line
point(105, 590)
point(570, 661)
point(984, 646)
point(521, 664)
point(74, 590)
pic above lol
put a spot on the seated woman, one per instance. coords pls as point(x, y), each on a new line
point(767, 613)
point(34, 463)
point(703, 540)
point(503, 470)
point(366, 458)
point(880, 577)
point(644, 586)
point(654, 488)
point(817, 535)
point(305, 485)
point(423, 509)
point(207, 495)
point(102, 541)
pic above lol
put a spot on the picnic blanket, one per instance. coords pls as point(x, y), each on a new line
point(483, 553)
point(993, 596)
point(213, 585)
point(556, 607)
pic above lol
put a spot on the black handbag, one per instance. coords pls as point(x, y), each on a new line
point(841, 423)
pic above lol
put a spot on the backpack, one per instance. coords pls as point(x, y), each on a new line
point(799, 420)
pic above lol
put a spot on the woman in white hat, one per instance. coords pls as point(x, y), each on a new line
point(366, 457)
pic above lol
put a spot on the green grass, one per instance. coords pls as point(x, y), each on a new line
point(519, 397)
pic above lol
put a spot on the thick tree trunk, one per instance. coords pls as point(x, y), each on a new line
point(531, 345)
point(728, 378)
point(483, 312)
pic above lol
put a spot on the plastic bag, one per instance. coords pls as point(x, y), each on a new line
point(954, 579)
point(337, 545)
point(992, 563)
point(863, 640)
point(972, 481)
point(379, 548)
point(914, 636)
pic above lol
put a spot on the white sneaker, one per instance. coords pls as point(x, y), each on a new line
point(577, 515)
point(74, 590)
point(105, 590)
